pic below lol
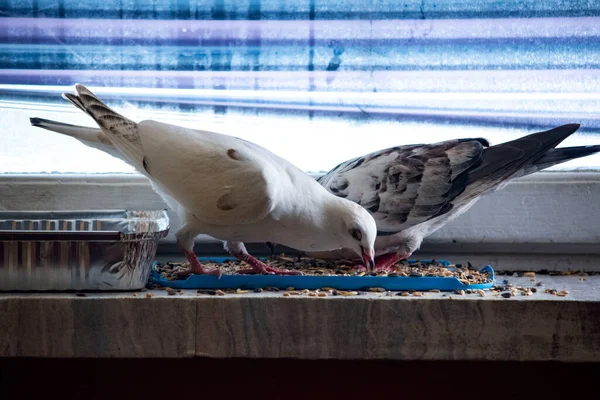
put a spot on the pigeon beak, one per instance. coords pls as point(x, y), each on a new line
point(368, 258)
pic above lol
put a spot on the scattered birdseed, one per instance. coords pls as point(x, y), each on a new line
point(377, 289)
point(404, 294)
point(171, 291)
point(294, 293)
point(240, 291)
point(417, 294)
point(220, 292)
point(207, 291)
point(529, 274)
point(134, 295)
point(258, 290)
point(533, 290)
point(80, 294)
point(322, 294)
point(149, 295)
point(506, 295)
point(290, 288)
point(435, 290)
point(312, 294)
point(481, 293)
point(286, 294)
point(459, 292)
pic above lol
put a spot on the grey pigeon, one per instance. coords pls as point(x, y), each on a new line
point(414, 190)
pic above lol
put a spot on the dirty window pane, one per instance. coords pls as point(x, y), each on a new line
point(316, 81)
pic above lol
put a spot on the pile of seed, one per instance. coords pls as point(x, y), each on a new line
point(466, 274)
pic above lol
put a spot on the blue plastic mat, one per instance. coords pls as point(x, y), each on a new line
point(317, 282)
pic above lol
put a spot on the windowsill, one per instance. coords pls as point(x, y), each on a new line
point(541, 327)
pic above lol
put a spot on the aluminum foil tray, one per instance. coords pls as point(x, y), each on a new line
point(317, 282)
point(78, 250)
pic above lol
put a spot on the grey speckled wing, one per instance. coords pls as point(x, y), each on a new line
point(406, 185)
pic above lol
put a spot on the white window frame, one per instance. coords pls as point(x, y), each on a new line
point(548, 220)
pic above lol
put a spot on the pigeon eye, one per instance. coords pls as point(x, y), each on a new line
point(356, 234)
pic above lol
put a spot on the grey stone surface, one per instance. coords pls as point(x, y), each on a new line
point(100, 326)
point(8, 326)
point(438, 326)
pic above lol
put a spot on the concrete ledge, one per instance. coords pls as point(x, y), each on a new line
point(268, 325)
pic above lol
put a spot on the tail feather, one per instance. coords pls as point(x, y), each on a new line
point(560, 155)
point(120, 131)
point(503, 161)
point(91, 137)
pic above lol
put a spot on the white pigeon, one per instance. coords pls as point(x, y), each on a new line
point(414, 190)
point(226, 187)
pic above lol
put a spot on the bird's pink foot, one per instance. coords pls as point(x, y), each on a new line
point(195, 267)
point(384, 262)
point(259, 267)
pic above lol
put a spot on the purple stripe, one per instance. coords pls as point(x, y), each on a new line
point(564, 80)
point(17, 29)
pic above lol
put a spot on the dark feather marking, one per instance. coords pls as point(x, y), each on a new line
point(231, 153)
point(445, 209)
point(145, 165)
point(223, 204)
point(373, 208)
point(339, 185)
point(384, 186)
point(359, 162)
point(400, 218)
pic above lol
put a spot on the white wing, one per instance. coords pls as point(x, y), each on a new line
point(220, 179)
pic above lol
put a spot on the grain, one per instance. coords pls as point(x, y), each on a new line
point(311, 266)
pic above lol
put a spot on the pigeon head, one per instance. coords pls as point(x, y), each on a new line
point(359, 232)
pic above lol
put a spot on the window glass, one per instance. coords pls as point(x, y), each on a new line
point(316, 81)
